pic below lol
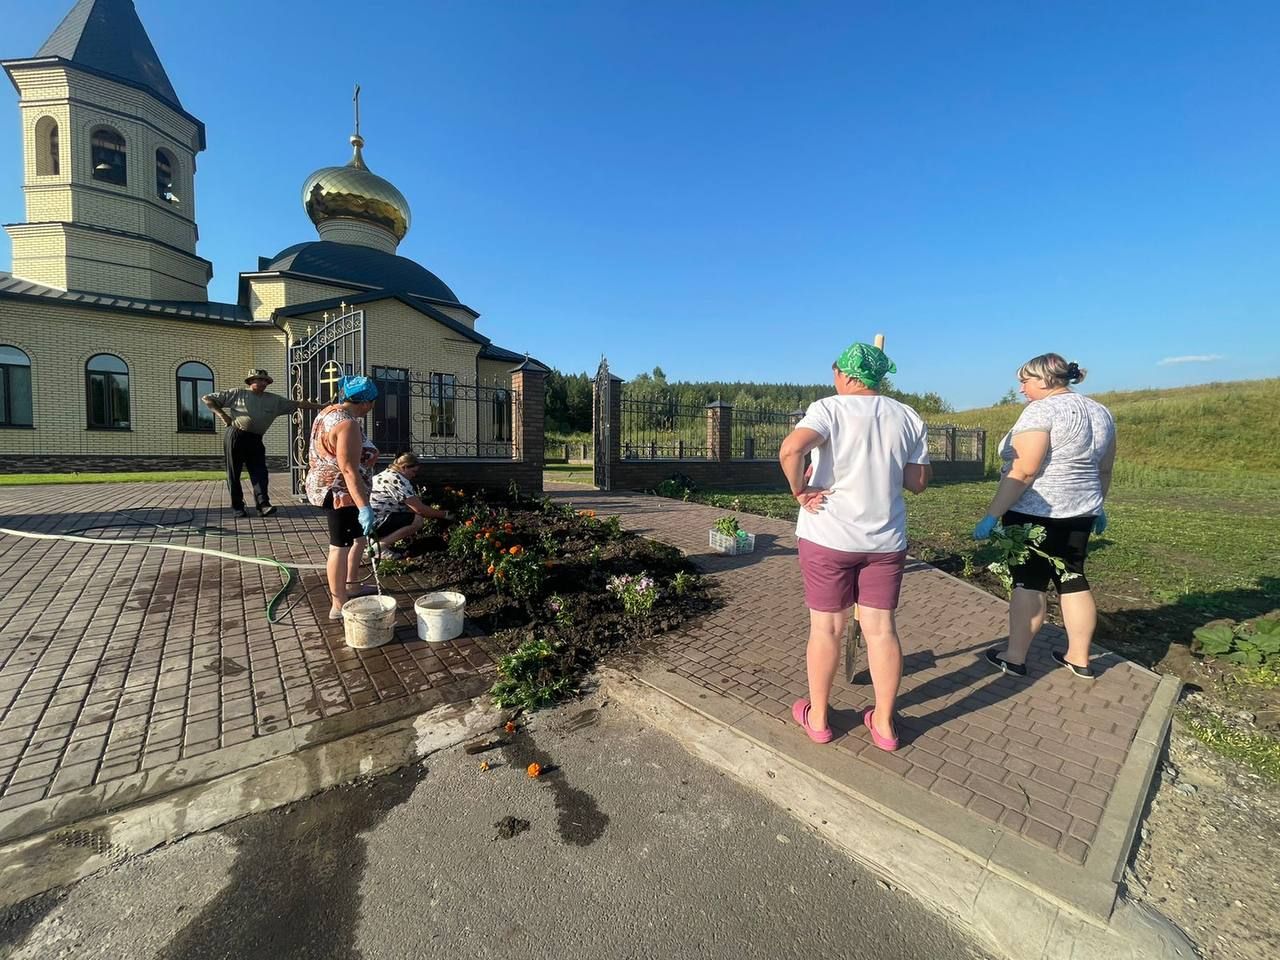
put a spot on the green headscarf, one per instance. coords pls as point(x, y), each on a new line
point(864, 362)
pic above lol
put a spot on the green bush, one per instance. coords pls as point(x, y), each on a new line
point(1251, 643)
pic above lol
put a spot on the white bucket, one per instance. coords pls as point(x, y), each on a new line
point(369, 621)
point(440, 616)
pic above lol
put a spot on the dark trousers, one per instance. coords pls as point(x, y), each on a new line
point(245, 451)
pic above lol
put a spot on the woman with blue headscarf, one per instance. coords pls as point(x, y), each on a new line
point(340, 464)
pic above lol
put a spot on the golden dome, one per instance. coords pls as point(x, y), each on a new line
point(353, 193)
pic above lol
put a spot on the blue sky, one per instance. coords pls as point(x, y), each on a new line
point(738, 190)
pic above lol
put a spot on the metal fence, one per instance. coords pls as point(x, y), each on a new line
point(758, 434)
point(440, 415)
point(949, 444)
point(662, 429)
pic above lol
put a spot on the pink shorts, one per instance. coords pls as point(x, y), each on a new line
point(834, 580)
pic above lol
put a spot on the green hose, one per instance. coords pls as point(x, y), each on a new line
point(238, 558)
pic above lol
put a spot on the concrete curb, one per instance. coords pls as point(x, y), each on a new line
point(1010, 918)
point(101, 798)
point(57, 857)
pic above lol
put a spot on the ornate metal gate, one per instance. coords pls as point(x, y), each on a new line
point(316, 363)
point(602, 425)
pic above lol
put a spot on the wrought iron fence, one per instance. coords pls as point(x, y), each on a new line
point(758, 434)
point(662, 429)
point(441, 415)
point(956, 444)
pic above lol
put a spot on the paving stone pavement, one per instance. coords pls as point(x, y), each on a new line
point(1038, 756)
point(119, 660)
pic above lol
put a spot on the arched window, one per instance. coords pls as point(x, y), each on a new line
point(107, 392)
point(194, 381)
point(47, 156)
point(15, 388)
point(107, 155)
point(166, 170)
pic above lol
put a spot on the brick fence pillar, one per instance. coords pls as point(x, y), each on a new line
point(527, 438)
point(720, 431)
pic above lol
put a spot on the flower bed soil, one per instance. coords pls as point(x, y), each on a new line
point(578, 555)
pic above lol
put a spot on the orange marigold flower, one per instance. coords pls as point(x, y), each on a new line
point(514, 551)
point(469, 523)
point(507, 527)
point(490, 569)
point(509, 726)
point(534, 770)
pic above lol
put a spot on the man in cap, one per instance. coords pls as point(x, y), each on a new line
point(248, 412)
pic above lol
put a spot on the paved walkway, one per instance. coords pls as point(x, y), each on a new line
point(1039, 758)
point(129, 662)
point(125, 670)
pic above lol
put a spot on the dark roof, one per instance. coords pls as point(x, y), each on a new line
point(232, 314)
point(361, 266)
point(106, 36)
point(490, 352)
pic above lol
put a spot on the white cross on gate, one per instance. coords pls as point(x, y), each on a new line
point(330, 375)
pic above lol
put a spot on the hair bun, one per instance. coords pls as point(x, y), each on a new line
point(1073, 372)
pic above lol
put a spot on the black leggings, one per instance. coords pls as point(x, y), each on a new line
point(1066, 538)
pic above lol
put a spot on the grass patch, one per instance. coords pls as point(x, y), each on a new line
point(568, 473)
point(152, 476)
point(1258, 752)
point(1207, 429)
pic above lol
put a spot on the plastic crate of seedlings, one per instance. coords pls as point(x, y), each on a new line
point(730, 539)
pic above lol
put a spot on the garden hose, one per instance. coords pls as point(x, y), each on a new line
point(223, 554)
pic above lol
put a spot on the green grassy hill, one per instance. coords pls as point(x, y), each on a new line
point(1211, 428)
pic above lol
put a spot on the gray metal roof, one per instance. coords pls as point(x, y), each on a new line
point(232, 314)
point(107, 37)
point(363, 266)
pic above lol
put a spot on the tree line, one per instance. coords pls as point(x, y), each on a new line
point(568, 396)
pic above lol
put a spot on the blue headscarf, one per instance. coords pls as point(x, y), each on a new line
point(357, 389)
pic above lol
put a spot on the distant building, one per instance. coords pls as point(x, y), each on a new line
point(107, 335)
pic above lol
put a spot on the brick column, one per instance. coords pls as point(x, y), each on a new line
point(527, 440)
point(719, 431)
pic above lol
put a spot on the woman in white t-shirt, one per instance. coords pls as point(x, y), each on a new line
point(399, 510)
point(1057, 469)
point(852, 530)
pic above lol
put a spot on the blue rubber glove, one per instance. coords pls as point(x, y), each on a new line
point(1100, 522)
point(367, 520)
point(983, 530)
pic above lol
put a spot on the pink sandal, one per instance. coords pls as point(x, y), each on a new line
point(800, 711)
point(884, 743)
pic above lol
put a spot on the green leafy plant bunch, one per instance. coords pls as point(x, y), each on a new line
point(537, 673)
point(1250, 643)
point(1011, 546)
point(728, 526)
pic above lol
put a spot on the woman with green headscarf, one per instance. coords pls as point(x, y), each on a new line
point(852, 530)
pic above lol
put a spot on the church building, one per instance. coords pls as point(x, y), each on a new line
point(107, 335)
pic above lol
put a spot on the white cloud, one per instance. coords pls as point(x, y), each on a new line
point(1193, 358)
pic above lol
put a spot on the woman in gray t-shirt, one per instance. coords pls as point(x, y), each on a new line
point(1057, 468)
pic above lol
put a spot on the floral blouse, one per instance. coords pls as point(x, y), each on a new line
point(324, 476)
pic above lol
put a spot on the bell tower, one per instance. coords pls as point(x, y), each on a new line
point(109, 163)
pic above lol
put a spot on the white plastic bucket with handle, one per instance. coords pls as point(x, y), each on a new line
point(369, 621)
point(440, 615)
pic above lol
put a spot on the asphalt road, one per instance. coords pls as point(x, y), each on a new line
point(633, 849)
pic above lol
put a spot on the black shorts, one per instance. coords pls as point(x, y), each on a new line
point(344, 523)
point(1067, 539)
point(394, 522)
